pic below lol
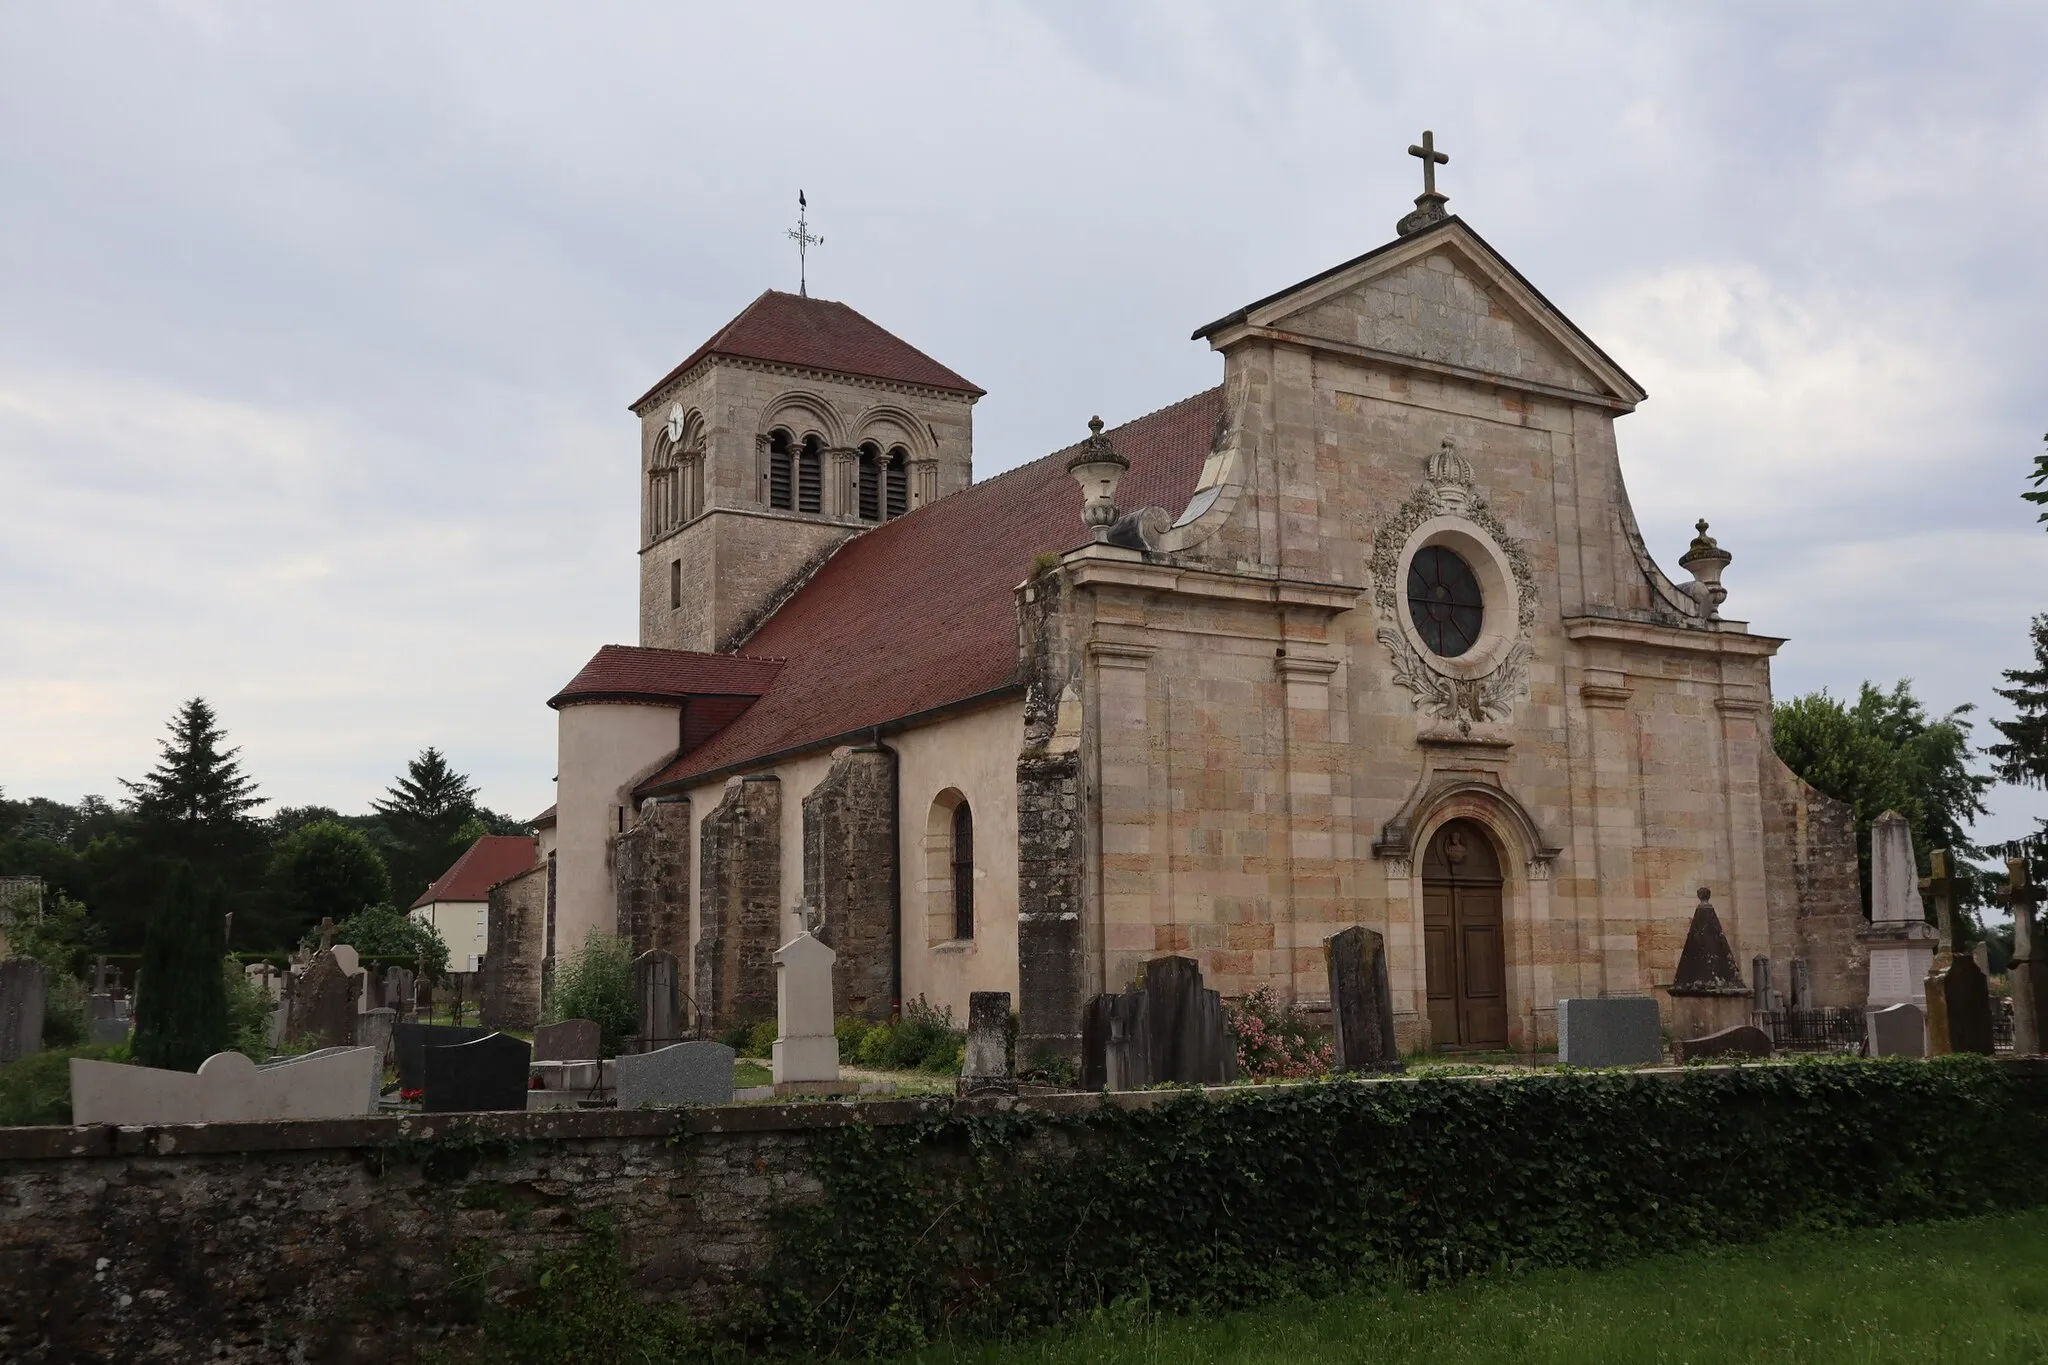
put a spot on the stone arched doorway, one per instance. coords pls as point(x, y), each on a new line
point(1466, 964)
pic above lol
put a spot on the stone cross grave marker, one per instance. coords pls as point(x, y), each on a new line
point(324, 1004)
point(806, 1052)
point(681, 1073)
point(22, 1001)
point(986, 1070)
point(1164, 1026)
point(658, 986)
point(1361, 1005)
point(1896, 1031)
point(1958, 996)
point(487, 1074)
point(572, 1040)
point(2027, 974)
point(1899, 939)
point(411, 1042)
point(1615, 1030)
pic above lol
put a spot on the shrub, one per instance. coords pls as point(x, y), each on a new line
point(249, 1010)
point(65, 1017)
point(1275, 1041)
point(924, 1039)
point(595, 982)
point(37, 1089)
point(181, 1007)
point(761, 1038)
point(380, 930)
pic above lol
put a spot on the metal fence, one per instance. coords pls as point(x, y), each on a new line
point(1823, 1030)
point(2001, 1026)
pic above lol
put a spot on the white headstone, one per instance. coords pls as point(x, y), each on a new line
point(1900, 958)
point(228, 1088)
point(805, 1049)
point(351, 964)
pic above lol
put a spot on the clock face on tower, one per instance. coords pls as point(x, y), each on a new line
point(1444, 601)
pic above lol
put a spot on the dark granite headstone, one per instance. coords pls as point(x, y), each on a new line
point(1896, 1031)
point(324, 1003)
point(1361, 1006)
point(1615, 1030)
point(22, 1002)
point(490, 1073)
point(986, 1068)
point(1165, 1026)
point(572, 1040)
point(1958, 1007)
point(658, 986)
point(1744, 1040)
point(411, 1041)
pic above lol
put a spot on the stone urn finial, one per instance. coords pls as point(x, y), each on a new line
point(1705, 560)
point(1098, 468)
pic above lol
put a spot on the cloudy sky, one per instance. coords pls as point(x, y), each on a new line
point(318, 324)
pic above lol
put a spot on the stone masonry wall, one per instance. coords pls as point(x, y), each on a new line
point(1816, 898)
point(1052, 961)
point(515, 928)
point(850, 877)
point(651, 869)
point(740, 844)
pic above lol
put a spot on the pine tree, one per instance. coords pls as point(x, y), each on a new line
point(181, 1003)
point(198, 788)
point(422, 813)
point(2023, 757)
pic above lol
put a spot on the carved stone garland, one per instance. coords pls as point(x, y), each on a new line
point(1451, 489)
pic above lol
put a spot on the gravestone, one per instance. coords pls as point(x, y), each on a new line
point(1896, 1031)
point(572, 1040)
point(1802, 985)
point(1957, 994)
point(227, 1088)
point(398, 989)
point(1616, 1030)
point(1707, 993)
point(805, 1052)
point(107, 1020)
point(681, 1073)
point(1361, 1006)
point(411, 1041)
point(1899, 939)
point(375, 1029)
point(1760, 985)
point(324, 1002)
point(1165, 1026)
point(23, 999)
point(986, 1069)
point(487, 1074)
point(658, 987)
point(1744, 1040)
point(2027, 974)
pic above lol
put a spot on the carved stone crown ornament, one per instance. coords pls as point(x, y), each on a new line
point(1450, 489)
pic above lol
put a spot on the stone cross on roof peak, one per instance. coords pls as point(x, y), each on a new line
point(1429, 205)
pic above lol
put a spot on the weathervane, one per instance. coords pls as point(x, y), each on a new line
point(801, 235)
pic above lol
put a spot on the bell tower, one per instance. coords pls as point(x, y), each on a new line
point(799, 424)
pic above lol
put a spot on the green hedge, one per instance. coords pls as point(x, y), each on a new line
point(986, 1226)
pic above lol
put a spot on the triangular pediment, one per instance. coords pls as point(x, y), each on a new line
point(1446, 298)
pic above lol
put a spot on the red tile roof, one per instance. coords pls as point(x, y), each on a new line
point(632, 673)
point(918, 613)
point(490, 860)
point(819, 335)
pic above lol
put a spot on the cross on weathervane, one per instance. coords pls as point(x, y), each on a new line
point(1431, 159)
point(1429, 205)
point(801, 235)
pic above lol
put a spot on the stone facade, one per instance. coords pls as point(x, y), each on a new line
point(740, 847)
point(651, 871)
point(509, 984)
point(851, 880)
point(737, 554)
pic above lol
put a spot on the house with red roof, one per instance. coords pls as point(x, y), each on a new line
point(1365, 634)
point(456, 903)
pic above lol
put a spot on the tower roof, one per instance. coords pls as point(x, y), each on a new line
point(819, 334)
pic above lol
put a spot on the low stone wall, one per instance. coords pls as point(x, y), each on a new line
point(353, 1240)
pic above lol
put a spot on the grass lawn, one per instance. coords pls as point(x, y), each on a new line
point(1966, 1291)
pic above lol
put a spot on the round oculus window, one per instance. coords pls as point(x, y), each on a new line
point(1444, 601)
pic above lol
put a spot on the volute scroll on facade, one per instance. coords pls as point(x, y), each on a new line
point(1450, 506)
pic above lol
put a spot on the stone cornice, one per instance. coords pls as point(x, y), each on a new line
point(667, 390)
point(1612, 630)
point(1102, 566)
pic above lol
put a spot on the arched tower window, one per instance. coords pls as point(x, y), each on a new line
point(870, 482)
point(963, 871)
point(810, 475)
point(781, 470)
point(897, 481)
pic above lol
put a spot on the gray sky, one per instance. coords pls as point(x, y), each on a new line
point(318, 324)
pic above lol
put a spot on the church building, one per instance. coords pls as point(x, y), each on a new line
point(1364, 634)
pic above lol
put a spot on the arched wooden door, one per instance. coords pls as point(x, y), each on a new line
point(1467, 967)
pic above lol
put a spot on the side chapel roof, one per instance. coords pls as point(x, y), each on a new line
point(818, 334)
point(919, 614)
point(490, 860)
